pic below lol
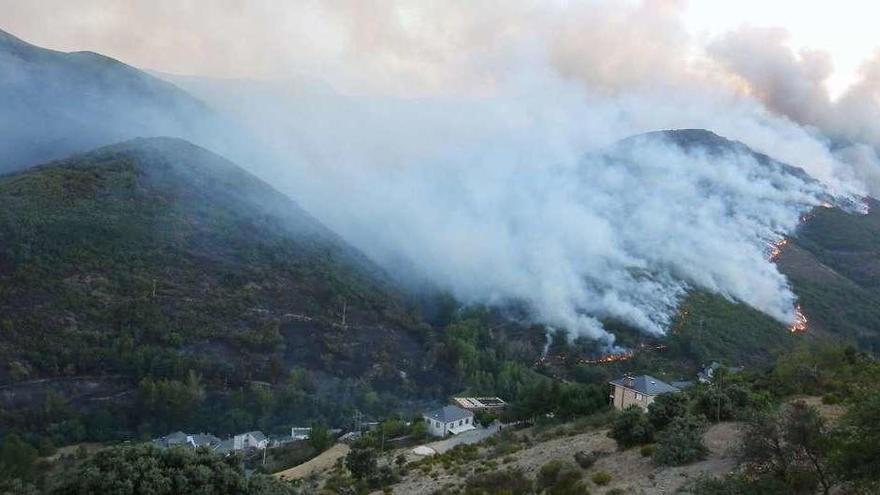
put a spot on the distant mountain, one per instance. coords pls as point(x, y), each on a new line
point(710, 143)
point(156, 258)
point(54, 103)
point(832, 261)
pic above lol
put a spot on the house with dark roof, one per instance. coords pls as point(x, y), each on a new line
point(638, 390)
point(449, 420)
point(191, 440)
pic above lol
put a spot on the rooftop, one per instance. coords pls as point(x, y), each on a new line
point(447, 414)
point(258, 435)
point(645, 384)
point(480, 402)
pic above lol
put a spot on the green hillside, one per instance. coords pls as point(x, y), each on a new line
point(834, 266)
point(153, 274)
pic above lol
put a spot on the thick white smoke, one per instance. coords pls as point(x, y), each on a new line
point(450, 141)
point(511, 198)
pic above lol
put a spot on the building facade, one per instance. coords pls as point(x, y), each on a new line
point(638, 391)
point(449, 420)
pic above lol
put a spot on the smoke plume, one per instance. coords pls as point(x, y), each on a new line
point(471, 145)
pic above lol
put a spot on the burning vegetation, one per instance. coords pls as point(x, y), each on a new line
point(800, 321)
point(612, 357)
point(776, 249)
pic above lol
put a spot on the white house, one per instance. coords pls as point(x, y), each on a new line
point(250, 440)
point(449, 420)
point(300, 433)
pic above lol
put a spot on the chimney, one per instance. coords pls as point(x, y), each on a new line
point(628, 380)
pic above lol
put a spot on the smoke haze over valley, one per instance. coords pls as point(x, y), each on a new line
point(476, 149)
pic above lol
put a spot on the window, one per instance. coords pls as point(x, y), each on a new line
point(460, 422)
point(638, 396)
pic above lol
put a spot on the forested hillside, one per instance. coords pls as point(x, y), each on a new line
point(156, 278)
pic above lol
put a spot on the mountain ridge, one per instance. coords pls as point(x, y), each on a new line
point(55, 103)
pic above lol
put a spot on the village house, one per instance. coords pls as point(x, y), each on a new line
point(708, 372)
point(189, 440)
point(449, 420)
point(638, 390)
point(250, 440)
point(300, 433)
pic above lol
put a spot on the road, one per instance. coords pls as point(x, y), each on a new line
point(466, 438)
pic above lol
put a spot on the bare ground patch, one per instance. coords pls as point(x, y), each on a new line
point(630, 471)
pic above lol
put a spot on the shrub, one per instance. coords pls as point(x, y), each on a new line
point(665, 408)
point(560, 478)
point(601, 478)
point(648, 450)
point(631, 427)
point(361, 462)
point(510, 482)
point(681, 442)
point(587, 459)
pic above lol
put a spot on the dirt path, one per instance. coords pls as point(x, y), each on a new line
point(323, 461)
point(466, 438)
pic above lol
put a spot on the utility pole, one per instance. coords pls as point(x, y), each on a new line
point(344, 310)
point(357, 420)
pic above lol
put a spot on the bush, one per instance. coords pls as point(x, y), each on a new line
point(647, 450)
point(631, 427)
point(509, 482)
point(587, 459)
point(681, 442)
point(601, 478)
point(560, 478)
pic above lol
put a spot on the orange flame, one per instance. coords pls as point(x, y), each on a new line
point(800, 321)
point(776, 249)
point(611, 358)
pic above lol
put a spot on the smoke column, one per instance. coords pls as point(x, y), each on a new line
point(467, 144)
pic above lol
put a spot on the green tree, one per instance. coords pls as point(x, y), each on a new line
point(631, 427)
point(792, 445)
point(667, 407)
point(144, 469)
point(320, 438)
point(17, 458)
point(857, 457)
point(362, 462)
point(681, 442)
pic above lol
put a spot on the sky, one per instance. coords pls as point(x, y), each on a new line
point(847, 29)
point(271, 39)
